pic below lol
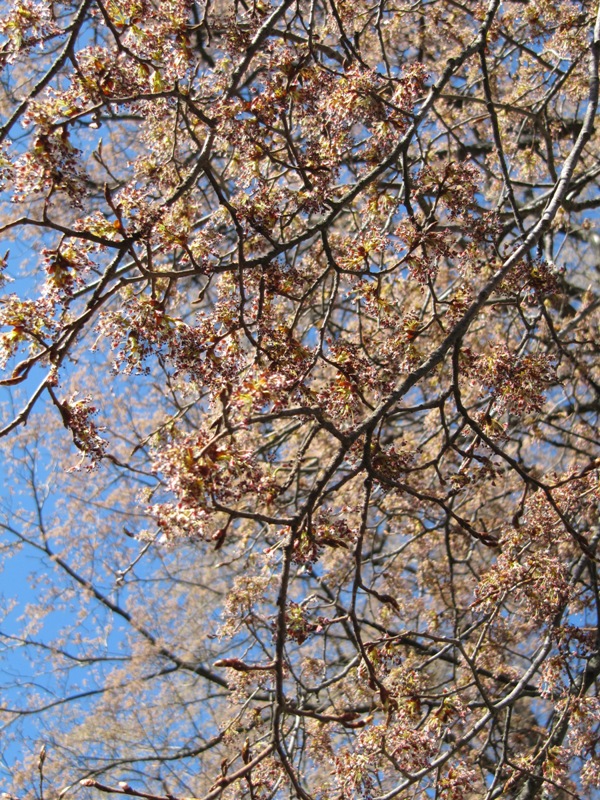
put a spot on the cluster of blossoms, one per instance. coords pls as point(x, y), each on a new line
point(516, 384)
point(77, 414)
point(206, 477)
point(25, 25)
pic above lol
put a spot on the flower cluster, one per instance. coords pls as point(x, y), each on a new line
point(516, 384)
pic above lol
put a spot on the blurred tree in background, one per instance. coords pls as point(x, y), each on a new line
point(301, 384)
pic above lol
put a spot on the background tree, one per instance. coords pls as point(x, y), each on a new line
point(311, 286)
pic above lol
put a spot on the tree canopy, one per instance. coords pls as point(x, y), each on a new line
point(300, 377)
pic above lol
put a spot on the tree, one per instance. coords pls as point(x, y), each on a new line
point(312, 287)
